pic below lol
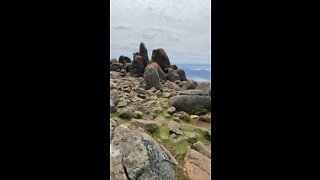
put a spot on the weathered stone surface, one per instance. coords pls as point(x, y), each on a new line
point(143, 52)
point(172, 85)
point(150, 126)
point(182, 74)
point(159, 70)
point(160, 56)
point(196, 104)
point(174, 127)
point(173, 75)
point(173, 66)
point(137, 67)
point(171, 110)
point(182, 115)
point(204, 87)
point(200, 147)
point(191, 84)
point(113, 108)
point(124, 59)
point(122, 103)
point(197, 165)
point(126, 113)
point(116, 66)
point(135, 155)
point(152, 78)
point(114, 96)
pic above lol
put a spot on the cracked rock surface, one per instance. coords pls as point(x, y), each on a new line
point(197, 165)
point(135, 155)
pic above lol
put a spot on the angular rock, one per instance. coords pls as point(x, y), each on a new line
point(135, 155)
point(173, 66)
point(159, 70)
point(172, 85)
point(174, 128)
point(197, 165)
point(137, 114)
point(143, 52)
point(182, 74)
point(204, 87)
point(137, 67)
point(182, 115)
point(160, 56)
point(172, 75)
point(149, 126)
point(152, 78)
point(113, 108)
point(122, 103)
point(200, 147)
point(171, 110)
point(114, 96)
point(191, 84)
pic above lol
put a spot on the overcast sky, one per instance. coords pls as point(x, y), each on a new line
point(180, 27)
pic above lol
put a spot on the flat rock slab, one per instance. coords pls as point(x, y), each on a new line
point(197, 165)
point(135, 155)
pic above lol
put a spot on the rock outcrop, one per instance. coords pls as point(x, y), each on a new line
point(135, 155)
point(160, 56)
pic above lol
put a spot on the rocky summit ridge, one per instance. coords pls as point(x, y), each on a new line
point(160, 122)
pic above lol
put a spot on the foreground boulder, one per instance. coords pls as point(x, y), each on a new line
point(197, 165)
point(160, 56)
point(192, 101)
point(151, 78)
point(135, 155)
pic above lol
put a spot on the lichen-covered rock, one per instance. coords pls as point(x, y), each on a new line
point(126, 113)
point(135, 155)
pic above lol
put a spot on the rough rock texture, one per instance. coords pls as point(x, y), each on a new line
point(200, 147)
point(204, 87)
point(116, 66)
point(191, 84)
point(172, 75)
point(143, 52)
point(193, 101)
point(151, 78)
point(173, 66)
point(135, 155)
point(160, 56)
point(137, 67)
point(197, 165)
point(159, 70)
point(124, 59)
point(182, 74)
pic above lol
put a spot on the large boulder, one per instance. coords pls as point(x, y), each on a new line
point(197, 165)
point(172, 75)
point(151, 78)
point(143, 52)
point(192, 101)
point(155, 65)
point(182, 74)
point(136, 155)
point(137, 67)
point(160, 56)
point(124, 59)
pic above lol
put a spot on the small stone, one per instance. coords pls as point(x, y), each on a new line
point(176, 119)
point(166, 94)
point(122, 103)
point(194, 116)
point(126, 113)
point(171, 110)
point(174, 128)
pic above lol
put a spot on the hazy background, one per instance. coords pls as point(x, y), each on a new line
point(180, 27)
